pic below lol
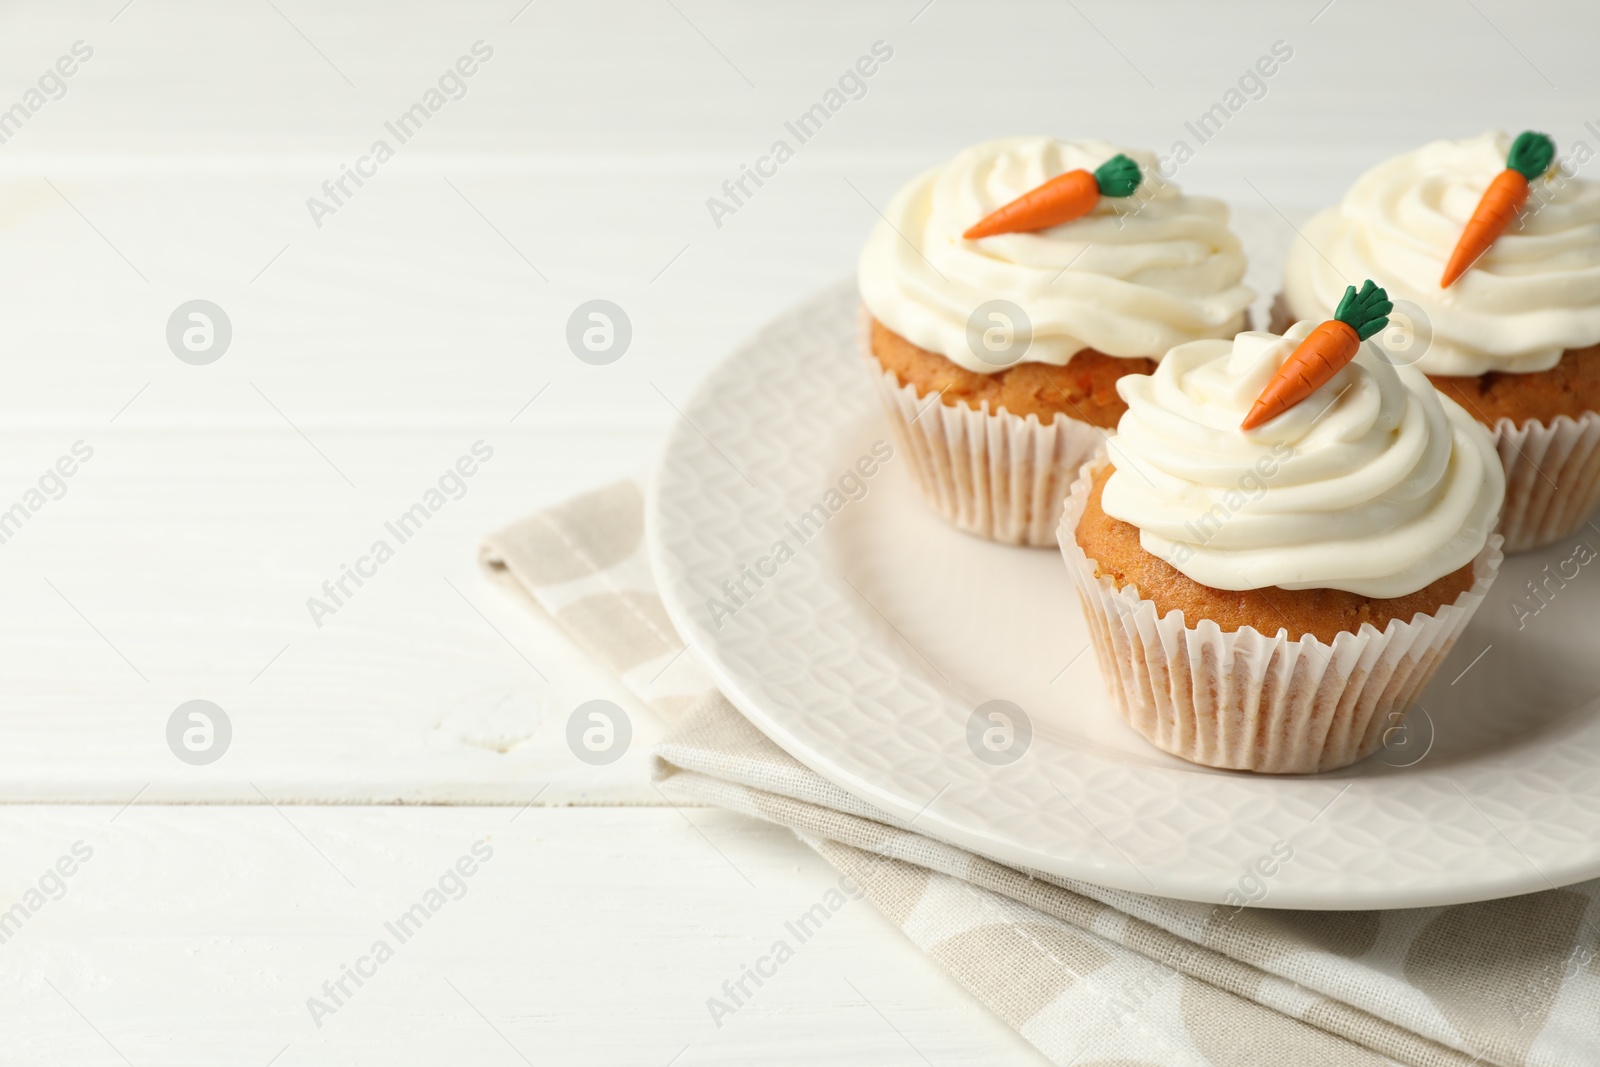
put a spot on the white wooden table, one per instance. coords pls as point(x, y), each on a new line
point(426, 313)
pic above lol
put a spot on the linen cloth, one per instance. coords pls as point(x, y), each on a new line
point(1088, 975)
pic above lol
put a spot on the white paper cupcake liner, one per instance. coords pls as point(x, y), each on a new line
point(1246, 701)
point(1552, 478)
point(993, 474)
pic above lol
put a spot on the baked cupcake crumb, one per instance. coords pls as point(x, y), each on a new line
point(1570, 388)
point(1113, 546)
point(1084, 389)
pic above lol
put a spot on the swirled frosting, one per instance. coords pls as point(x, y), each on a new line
point(1375, 484)
point(1134, 277)
point(1533, 294)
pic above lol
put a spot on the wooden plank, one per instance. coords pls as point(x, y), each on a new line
point(196, 935)
point(178, 567)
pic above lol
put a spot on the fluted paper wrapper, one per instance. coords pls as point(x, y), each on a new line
point(1552, 478)
point(1246, 701)
point(990, 473)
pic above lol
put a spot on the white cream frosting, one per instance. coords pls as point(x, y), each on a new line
point(1535, 293)
point(1134, 277)
point(1375, 484)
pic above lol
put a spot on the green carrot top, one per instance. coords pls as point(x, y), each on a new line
point(1531, 154)
point(1366, 312)
point(1117, 176)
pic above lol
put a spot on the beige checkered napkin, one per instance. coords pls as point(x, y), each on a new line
point(1090, 976)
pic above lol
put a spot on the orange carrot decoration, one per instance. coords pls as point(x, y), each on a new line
point(1529, 157)
point(1323, 353)
point(1061, 199)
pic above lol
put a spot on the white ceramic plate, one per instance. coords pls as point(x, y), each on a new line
point(866, 654)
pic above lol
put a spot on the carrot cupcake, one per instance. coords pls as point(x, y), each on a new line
point(1497, 255)
point(1283, 542)
point(1006, 293)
